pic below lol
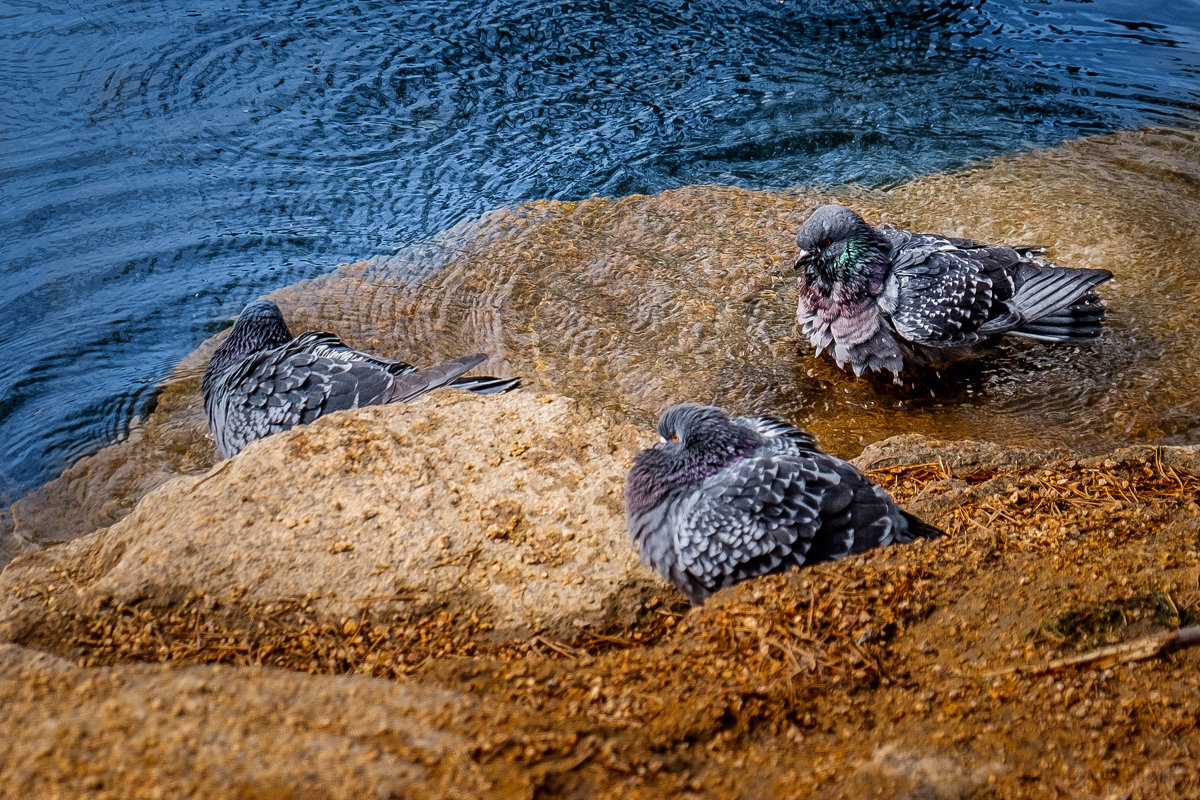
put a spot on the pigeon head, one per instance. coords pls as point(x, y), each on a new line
point(260, 326)
point(696, 441)
point(835, 245)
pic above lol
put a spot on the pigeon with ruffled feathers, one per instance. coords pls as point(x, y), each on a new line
point(262, 381)
point(880, 298)
point(719, 500)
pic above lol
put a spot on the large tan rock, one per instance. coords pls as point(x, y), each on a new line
point(505, 511)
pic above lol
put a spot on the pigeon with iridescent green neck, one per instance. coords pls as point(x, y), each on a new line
point(262, 381)
point(881, 298)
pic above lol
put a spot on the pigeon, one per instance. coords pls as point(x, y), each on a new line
point(262, 381)
point(881, 298)
point(719, 500)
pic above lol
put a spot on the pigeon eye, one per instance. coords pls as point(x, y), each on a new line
point(674, 437)
point(826, 242)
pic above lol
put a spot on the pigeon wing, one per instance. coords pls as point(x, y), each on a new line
point(310, 376)
point(410, 386)
point(357, 379)
point(909, 248)
point(329, 376)
point(781, 437)
point(945, 298)
point(267, 394)
point(859, 517)
point(758, 516)
point(329, 345)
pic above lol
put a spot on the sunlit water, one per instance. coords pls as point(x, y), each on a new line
point(643, 301)
point(162, 163)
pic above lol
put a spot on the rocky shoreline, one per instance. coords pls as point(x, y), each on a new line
point(440, 600)
point(345, 611)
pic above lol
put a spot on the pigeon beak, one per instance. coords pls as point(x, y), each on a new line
point(801, 257)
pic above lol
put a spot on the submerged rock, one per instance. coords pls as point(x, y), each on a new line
point(637, 303)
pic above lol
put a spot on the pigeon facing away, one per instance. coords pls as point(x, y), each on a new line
point(880, 298)
point(261, 381)
point(719, 500)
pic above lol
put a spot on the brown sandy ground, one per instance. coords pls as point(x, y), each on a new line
point(185, 653)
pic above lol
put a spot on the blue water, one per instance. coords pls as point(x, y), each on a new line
point(161, 163)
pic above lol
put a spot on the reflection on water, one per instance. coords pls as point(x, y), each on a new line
point(641, 302)
point(164, 163)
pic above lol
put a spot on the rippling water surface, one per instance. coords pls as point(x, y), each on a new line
point(162, 163)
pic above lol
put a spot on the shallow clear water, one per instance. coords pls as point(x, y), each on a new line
point(640, 302)
point(162, 163)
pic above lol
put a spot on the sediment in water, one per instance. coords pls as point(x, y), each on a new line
point(635, 303)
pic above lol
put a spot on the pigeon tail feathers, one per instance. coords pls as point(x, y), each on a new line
point(919, 529)
point(1081, 321)
point(1044, 290)
point(412, 385)
point(485, 384)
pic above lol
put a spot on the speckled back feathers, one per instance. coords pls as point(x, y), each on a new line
point(261, 381)
point(719, 500)
point(883, 299)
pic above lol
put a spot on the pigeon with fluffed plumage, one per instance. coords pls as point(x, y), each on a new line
point(262, 381)
point(719, 500)
point(881, 298)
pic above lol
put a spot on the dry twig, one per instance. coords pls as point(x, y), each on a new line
point(1124, 653)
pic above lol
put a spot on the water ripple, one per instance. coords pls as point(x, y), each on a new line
point(164, 162)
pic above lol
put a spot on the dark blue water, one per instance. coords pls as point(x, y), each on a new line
point(161, 162)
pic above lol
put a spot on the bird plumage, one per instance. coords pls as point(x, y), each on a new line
point(881, 298)
point(262, 381)
point(723, 499)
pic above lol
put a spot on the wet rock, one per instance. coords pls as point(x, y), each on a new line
point(959, 456)
point(893, 673)
point(473, 551)
point(637, 303)
point(102, 488)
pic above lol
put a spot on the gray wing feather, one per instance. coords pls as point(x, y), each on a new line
point(1046, 289)
point(958, 293)
point(311, 376)
point(758, 516)
point(910, 249)
point(783, 435)
point(945, 299)
point(316, 374)
point(485, 384)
